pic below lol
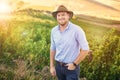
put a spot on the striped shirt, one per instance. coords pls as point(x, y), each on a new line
point(68, 43)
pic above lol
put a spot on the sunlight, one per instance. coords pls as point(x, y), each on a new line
point(5, 8)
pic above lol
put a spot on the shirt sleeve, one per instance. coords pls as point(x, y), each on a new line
point(52, 46)
point(81, 39)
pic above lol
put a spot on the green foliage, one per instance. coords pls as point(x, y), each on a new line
point(25, 42)
point(105, 65)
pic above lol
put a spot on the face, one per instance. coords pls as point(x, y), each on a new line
point(63, 18)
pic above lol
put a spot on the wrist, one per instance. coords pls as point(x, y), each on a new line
point(51, 66)
point(74, 64)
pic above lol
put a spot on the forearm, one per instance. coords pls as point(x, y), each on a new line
point(81, 56)
point(52, 55)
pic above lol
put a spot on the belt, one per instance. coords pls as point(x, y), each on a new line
point(61, 63)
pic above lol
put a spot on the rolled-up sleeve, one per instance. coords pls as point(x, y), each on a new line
point(81, 39)
point(52, 46)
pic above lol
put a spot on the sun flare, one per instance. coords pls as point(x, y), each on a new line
point(5, 8)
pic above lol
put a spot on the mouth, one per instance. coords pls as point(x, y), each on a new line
point(61, 19)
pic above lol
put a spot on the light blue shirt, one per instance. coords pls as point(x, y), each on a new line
point(68, 43)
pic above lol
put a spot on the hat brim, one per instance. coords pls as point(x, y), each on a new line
point(54, 14)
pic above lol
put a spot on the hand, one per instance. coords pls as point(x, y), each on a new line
point(70, 66)
point(53, 71)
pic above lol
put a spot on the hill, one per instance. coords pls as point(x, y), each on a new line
point(94, 8)
point(25, 44)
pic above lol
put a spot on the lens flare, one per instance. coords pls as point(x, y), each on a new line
point(5, 8)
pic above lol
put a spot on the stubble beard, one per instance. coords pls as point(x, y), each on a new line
point(63, 24)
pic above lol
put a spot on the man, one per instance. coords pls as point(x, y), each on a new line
point(68, 46)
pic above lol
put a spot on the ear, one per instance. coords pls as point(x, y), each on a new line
point(68, 15)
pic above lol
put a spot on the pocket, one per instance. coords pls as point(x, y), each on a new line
point(70, 70)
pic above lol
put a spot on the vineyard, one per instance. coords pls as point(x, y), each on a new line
point(25, 42)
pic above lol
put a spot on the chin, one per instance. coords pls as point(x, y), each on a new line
point(62, 23)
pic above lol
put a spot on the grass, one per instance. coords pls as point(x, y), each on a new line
point(25, 44)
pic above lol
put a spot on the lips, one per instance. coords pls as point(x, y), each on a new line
point(61, 20)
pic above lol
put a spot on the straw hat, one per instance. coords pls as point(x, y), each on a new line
point(62, 8)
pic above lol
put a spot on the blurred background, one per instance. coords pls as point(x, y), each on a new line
point(25, 27)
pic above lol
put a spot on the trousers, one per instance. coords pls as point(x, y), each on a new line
point(63, 73)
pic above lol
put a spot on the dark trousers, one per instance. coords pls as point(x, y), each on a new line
point(64, 74)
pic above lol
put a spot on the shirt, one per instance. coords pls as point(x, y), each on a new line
point(68, 43)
